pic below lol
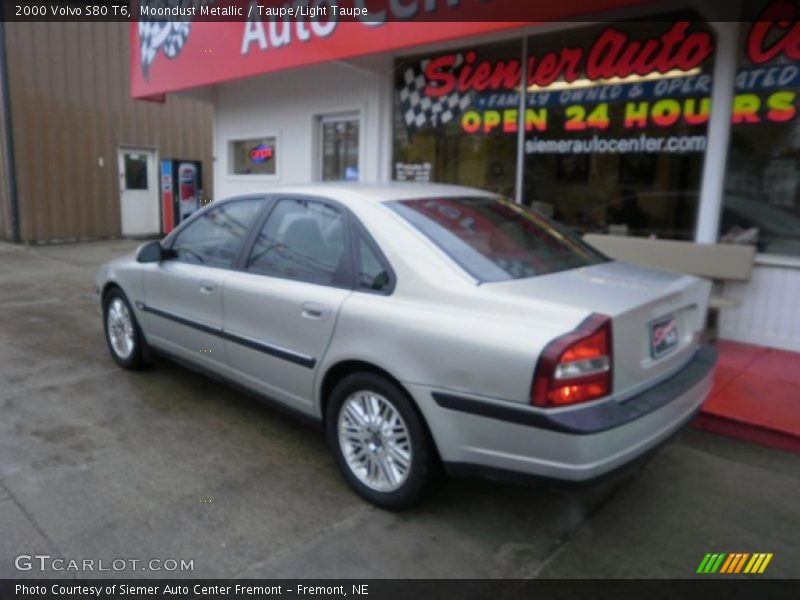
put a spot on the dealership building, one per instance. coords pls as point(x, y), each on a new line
point(654, 120)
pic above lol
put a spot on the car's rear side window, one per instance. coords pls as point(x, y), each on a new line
point(495, 239)
point(373, 272)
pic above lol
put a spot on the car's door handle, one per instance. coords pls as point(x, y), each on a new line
point(207, 286)
point(312, 310)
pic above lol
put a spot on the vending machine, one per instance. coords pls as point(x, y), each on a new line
point(181, 191)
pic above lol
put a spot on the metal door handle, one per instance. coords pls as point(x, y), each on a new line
point(207, 286)
point(312, 310)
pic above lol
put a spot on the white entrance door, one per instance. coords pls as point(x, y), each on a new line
point(138, 198)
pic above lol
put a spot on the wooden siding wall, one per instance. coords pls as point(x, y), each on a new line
point(71, 106)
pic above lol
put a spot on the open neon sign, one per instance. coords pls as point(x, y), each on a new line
point(261, 153)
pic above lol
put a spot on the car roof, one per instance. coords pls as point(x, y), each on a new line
point(346, 192)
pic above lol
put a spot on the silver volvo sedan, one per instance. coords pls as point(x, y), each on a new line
point(424, 326)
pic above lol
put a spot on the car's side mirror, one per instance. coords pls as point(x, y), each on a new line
point(150, 252)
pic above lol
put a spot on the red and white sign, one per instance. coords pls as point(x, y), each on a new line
point(168, 56)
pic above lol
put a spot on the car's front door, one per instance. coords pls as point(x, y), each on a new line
point(280, 308)
point(182, 311)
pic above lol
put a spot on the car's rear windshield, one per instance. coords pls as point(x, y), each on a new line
point(495, 239)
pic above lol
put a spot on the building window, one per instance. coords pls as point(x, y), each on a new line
point(616, 131)
point(339, 137)
point(761, 203)
point(136, 171)
point(446, 127)
point(254, 156)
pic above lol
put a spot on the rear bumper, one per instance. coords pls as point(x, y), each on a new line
point(574, 444)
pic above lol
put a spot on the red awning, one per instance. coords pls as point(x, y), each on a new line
point(169, 56)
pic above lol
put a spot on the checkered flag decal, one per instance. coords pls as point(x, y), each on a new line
point(419, 110)
point(169, 36)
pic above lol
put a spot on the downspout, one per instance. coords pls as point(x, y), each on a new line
point(11, 161)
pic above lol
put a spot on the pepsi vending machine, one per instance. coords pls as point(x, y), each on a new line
point(181, 191)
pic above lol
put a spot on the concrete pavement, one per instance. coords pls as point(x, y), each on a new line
point(100, 463)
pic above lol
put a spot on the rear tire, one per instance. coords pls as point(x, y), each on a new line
point(123, 334)
point(380, 442)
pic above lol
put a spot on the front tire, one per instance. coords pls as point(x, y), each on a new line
point(379, 441)
point(123, 335)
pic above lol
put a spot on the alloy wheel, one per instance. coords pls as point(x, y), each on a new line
point(375, 441)
point(120, 328)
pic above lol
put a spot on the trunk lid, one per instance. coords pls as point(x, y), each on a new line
point(657, 316)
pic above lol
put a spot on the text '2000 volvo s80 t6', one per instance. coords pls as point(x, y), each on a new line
point(423, 326)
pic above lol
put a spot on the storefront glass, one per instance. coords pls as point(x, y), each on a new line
point(617, 123)
point(435, 136)
point(615, 126)
point(762, 195)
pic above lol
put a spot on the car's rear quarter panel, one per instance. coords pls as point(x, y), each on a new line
point(486, 350)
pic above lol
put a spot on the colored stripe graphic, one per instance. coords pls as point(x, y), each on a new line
point(740, 564)
point(716, 565)
point(711, 563)
point(734, 563)
point(703, 563)
point(755, 561)
point(728, 564)
point(764, 564)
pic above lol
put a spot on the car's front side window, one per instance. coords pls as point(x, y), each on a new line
point(301, 240)
point(215, 237)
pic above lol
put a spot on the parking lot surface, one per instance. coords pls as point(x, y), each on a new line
point(103, 464)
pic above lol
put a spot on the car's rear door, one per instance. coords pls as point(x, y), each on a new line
point(281, 304)
point(182, 309)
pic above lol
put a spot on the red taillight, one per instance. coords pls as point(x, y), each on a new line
point(575, 367)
